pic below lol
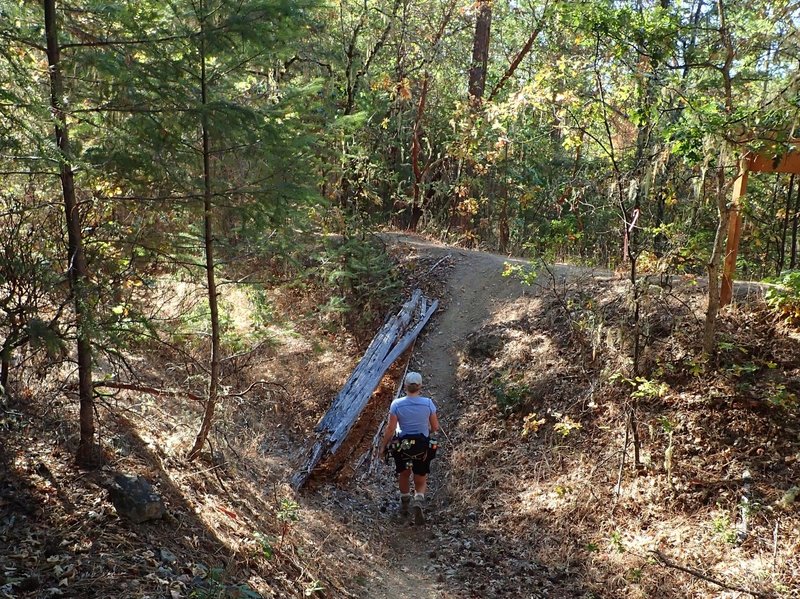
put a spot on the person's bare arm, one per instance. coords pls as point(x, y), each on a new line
point(388, 433)
point(434, 420)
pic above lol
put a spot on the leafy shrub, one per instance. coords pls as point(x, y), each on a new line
point(566, 425)
point(643, 388)
point(723, 528)
point(509, 395)
point(527, 275)
point(784, 297)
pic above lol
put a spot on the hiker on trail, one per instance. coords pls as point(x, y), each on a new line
point(411, 438)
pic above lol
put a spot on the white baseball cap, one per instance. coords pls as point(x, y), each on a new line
point(413, 378)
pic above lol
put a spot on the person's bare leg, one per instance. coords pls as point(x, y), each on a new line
point(404, 482)
point(420, 484)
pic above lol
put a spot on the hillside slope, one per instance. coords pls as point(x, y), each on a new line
point(532, 496)
point(535, 492)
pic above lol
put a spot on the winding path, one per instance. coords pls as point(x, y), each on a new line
point(476, 290)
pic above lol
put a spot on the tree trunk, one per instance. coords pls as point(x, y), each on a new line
point(504, 233)
point(5, 366)
point(213, 385)
point(416, 139)
point(785, 228)
point(768, 244)
point(480, 52)
point(723, 215)
point(795, 215)
point(463, 222)
point(723, 212)
point(88, 454)
point(416, 146)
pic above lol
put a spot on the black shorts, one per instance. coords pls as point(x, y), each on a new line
point(412, 452)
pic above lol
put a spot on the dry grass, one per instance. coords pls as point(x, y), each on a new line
point(520, 510)
point(557, 499)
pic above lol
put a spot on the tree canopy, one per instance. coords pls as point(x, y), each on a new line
point(182, 136)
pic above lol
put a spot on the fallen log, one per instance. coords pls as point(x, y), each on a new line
point(394, 337)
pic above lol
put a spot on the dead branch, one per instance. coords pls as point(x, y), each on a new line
point(724, 482)
point(256, 383)
point(618, 489)
point(665, 561)
point(216, 467)
point(180, 393)
point(147, 389)
point(438, 262)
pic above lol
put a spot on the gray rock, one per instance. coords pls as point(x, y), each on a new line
point(135, 499)
point(167, 556)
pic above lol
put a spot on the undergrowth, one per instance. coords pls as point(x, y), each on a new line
point(561, 491)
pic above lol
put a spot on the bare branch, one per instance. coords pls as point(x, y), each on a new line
point(664, 561)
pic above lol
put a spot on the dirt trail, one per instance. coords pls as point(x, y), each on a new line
point(393, 557)
point(476, 290)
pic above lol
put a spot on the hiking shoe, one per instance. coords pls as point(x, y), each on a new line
point(404, 503)
point(419, 514)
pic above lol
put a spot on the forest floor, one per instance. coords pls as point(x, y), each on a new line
point(535, 492)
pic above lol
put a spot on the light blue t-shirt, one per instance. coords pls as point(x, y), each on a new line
point(413, 415)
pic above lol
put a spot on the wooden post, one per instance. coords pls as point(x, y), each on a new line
point(734, 235)
point(785, 163)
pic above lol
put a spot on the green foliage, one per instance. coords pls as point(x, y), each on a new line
point(556, 238)
point(643, 388)
point(288, 511)
point(565, 426)
point(739, 370)
point(696, 367)
point(42, 334)
point(783, 296)
point(262, 311)
point(265, 544)
point(723, 528)
point(31, 287)
point(510, 395)
point(779, 396)
point(244, 321)
point(526, 274)
point(647, 389)
point(561, 491)
point(615, 540)
point(667, 425)
point(359, 276)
